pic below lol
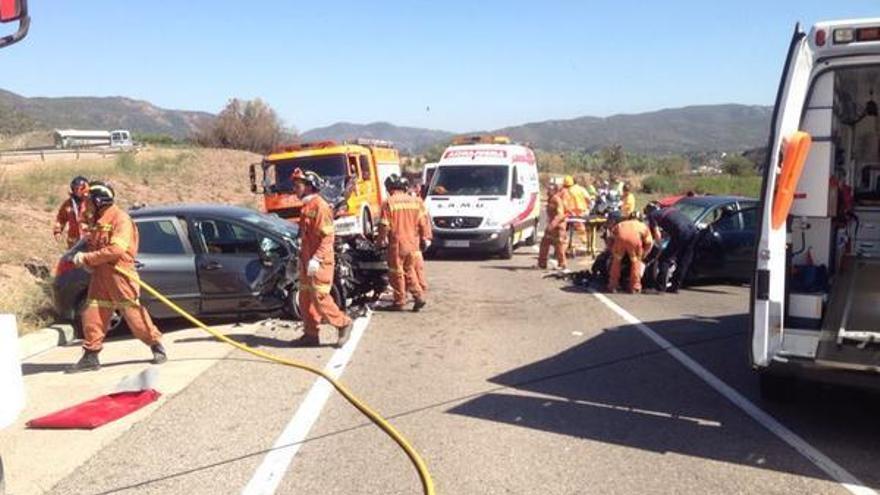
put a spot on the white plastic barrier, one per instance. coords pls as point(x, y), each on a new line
point(11, 384)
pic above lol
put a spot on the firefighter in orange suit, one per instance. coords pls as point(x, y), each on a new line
point(631, 238)
point(402, 227)
point(316, 263)
point(112, 242)
point(72, 213)
point(555, 233)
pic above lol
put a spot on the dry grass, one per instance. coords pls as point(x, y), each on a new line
point(29, 196)
point(25, 296)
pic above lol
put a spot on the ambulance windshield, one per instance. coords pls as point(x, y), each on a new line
point(470, 180)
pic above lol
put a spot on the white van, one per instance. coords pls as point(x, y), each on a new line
point(816, 291)
point(484, 196)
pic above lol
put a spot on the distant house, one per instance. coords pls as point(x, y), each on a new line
point(77, 138)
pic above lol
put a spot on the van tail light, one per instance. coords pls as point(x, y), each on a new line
point(64, 266)
point(868, 34)
point(821, 36)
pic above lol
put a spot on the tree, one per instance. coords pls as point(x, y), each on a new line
point(613, 160)
point(738, 165)
point(246, 125)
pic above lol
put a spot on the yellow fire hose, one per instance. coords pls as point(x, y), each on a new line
point(414, 457)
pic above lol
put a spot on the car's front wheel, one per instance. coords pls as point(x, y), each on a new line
point(116, 325)
point(291, 305)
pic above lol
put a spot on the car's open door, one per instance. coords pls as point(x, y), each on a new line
point(768, 289)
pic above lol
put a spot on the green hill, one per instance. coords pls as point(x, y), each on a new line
point(97, 113)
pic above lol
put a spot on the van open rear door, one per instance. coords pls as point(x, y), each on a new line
point(768, 289)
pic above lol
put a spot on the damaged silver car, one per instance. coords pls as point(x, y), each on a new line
point(229, 262)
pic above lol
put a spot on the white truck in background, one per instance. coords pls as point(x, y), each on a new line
point(815, 303)
point(77, 138)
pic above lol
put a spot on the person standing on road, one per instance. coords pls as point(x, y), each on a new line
point(627, 202)
point(578, 207)
point(680, 250)
point(402, 227)
point(316, 263)
point(112, 243)
point(555, 233)
point(72, 213)
point(630, 238)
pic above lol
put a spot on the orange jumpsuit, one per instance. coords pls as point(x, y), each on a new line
point(404, 222)
point(113, 242)
point(72, 214)
point(630, 238)
point(555, 233)
point(317, 236)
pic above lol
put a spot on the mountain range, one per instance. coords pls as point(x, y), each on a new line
point(692, 129)
point(679, 130)
point(98, 113)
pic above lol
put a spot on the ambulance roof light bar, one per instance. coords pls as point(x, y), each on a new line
point(481, 139)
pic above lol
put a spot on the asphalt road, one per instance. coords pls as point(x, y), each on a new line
point(507, 383)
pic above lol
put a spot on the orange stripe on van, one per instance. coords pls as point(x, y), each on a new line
point(794, 156)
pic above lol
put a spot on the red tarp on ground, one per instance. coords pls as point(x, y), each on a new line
point(96, 412)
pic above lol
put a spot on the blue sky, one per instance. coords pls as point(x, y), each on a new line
point(476, 64)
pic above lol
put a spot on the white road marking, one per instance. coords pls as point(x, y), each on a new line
point(820, 460)
point(271, 471)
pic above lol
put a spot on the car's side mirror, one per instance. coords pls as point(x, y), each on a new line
point(518, 191)
point(12, 11)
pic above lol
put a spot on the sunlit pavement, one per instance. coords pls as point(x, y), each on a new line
point(508, 382)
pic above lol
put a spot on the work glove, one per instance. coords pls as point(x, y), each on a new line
point(313, 267)
point(79, 259)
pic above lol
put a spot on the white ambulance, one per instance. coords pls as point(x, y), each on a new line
point(815, 302)
point(484, 196)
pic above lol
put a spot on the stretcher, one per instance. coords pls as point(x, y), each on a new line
point(852, 319)
point(593, 223)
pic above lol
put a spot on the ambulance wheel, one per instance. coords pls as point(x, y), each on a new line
point(506, 252)
point(776, 388)
point(533, 237)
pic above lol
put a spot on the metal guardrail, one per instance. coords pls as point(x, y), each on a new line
point(42, 153)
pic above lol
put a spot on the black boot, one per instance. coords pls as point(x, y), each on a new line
point(88, 362)
point(159, 354)
point(418, 305)
point(306, 341)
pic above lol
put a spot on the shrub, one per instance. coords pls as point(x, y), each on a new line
point(738, 165)
point(661, 184)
